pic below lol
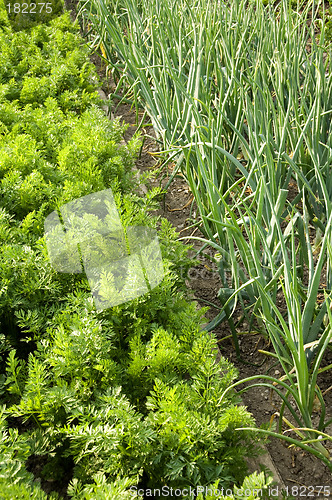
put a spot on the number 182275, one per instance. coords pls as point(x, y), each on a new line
point(31, 8)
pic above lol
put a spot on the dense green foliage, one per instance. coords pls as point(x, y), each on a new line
point(104, 400)
point(54, 148)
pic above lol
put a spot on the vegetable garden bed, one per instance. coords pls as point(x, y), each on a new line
point(96, 404)
point(239, 94)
